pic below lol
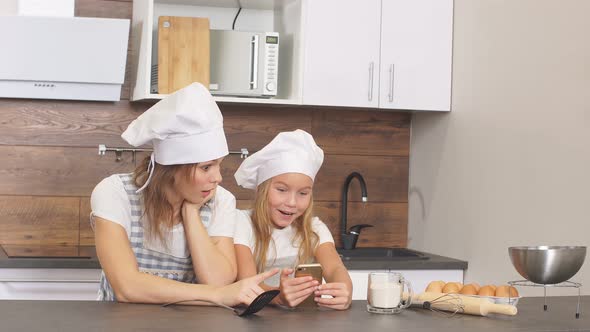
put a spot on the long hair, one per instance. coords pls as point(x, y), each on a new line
point(304, 238)
point(157, 210)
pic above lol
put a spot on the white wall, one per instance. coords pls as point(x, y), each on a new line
point(510, 165)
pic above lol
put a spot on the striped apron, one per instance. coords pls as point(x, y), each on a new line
point(149, 261)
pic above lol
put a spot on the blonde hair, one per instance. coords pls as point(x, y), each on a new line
point(305, 238)
point(157, 209)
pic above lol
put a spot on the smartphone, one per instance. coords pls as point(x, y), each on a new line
point(313, 270)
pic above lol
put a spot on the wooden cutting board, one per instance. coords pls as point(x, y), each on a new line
point(183, 52)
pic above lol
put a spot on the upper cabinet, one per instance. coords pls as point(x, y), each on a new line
point(387, 54)
point(390, 54)
point(416, 50)
point(342, 40)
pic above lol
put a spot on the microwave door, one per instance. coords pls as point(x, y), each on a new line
point(234, 63)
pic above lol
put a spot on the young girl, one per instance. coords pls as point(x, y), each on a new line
point(280, 231)
point(169, 225)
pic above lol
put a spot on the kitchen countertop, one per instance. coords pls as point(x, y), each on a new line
point(108, 316)
point(90, 261)
point(434, 262)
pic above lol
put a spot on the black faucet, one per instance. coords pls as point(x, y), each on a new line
point(350, 237)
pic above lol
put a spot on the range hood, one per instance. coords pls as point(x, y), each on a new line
point(75, 58)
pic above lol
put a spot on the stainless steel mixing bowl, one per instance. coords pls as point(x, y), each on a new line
point(547, 264)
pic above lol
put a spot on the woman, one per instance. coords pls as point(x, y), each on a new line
point(169, 225)
point(280, 231)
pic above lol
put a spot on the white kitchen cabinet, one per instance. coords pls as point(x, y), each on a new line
point(49, 284)
point(418, 278)
point(416, 53)
point(390, 54)
point(282, 16)
point(342, 53)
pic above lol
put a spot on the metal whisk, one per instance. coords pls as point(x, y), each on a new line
point(446, 305)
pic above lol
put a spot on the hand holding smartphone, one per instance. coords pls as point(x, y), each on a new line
point(313, 270)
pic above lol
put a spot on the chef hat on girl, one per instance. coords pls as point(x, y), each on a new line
point(184, 128)
point(289, 152)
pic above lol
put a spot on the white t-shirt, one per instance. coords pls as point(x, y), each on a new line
point(110, 201)
point(282, 253)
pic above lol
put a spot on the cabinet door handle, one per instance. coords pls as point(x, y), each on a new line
point(371, 71)
point(254, 62)
point(391, 76)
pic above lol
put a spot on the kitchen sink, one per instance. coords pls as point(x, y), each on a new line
point(380, 254)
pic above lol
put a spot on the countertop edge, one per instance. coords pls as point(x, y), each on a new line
point(434, 262)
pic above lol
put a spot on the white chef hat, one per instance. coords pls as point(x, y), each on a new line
point(184, 128)
point(289, 152)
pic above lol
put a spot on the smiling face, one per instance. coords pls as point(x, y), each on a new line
point(289, 196)
point(201, 182)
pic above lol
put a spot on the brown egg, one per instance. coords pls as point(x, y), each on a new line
point(435, 286)
point(476, 285)
point(506, 291)
point(486, 291)
point(451, 287)
point(468, 290)
point(493, 287)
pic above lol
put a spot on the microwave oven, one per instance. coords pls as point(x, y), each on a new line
point(244, 63)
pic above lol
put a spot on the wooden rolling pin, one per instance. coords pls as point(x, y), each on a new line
point(471, 305)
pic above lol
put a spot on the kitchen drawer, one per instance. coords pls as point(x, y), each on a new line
point(49, 284)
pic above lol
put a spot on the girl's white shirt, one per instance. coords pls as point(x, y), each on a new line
point(110, 201)
point(282, 252)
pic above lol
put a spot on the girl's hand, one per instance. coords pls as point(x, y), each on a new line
point(295, 290)
point(341, 296)
point(243, 291)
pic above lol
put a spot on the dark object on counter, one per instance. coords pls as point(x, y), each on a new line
point(257, 304)
point(350, 237)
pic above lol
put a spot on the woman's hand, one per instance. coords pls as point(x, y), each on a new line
point(341, 296)
point(191, 211)
point(295, 290)
point(243, 291)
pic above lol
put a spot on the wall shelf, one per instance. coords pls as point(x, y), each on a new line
point(282, 16)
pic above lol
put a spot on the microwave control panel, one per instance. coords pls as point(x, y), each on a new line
point(271, 48)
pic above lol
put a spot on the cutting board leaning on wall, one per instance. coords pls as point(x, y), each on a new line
point(183, 52)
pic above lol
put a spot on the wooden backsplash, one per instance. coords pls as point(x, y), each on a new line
point(50, 163)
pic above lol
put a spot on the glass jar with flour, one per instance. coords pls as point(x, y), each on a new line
point(385, 293)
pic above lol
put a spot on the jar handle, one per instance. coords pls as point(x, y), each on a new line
point(410, 293)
